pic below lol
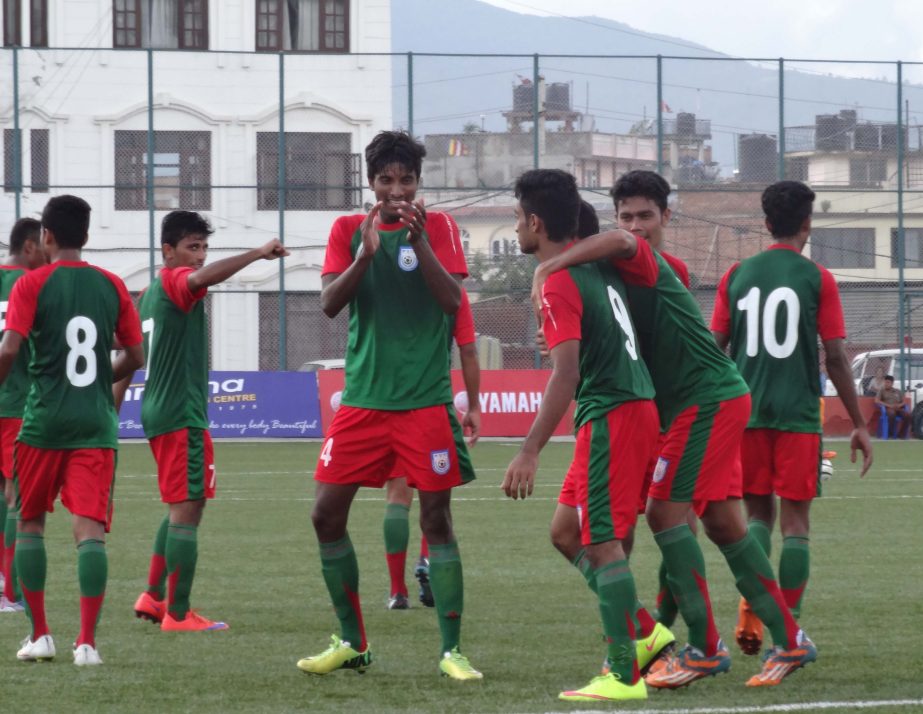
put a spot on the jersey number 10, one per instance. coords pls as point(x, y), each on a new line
point(750, 304)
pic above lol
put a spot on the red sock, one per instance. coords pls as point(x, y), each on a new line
point(155, 576)
point(36, 603)
point(89, 616)
point(645, 622)
point(396, 563)
point(424, 547)
point(9, 587)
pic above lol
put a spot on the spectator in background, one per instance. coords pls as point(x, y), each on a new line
point(891, 403)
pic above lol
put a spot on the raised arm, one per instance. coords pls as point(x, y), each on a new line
point(444, 286)
point(221, 270)
point(339, 288)
point(838, 370)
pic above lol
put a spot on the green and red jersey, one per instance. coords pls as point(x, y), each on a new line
point(176, 354)
point(678, 267)
point(69, 311)
point(685, 363)
point(16, 385)
point(773, 306)
point(396, 356)
point(588, 303)
point(463, 327)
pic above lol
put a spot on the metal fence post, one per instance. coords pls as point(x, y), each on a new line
point(410, 93)
point(283, 322)
point(149, 174)
point(781, 119)
point(17, 136)
point(535, 112)
point(659, 114)
point(900, 226)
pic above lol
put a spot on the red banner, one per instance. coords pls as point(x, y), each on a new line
point(509, 399)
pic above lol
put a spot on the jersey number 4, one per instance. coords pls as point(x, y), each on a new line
point(750, 304)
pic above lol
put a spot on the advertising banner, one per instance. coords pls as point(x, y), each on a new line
point(244, 404)
point(509, 399)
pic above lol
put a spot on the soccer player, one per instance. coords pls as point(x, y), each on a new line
point(704, 405)
point(771, 309)
point(69, 311)
point(25, 254)
point(398, 269)
point(400, 496)
point(174, 409)
point(589, 332)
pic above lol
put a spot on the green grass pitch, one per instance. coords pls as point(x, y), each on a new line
point(530, 623)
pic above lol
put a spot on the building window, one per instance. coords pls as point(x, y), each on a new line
point(39, 161)
point(796, 168)
point(320, 172)
point(913, 248)
point(305, 25)
point(160, 24)
point(12, 23)
point(843, 247)
point(181, 170)
point(869, 173)
point(38, 23)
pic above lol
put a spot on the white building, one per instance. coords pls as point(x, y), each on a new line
point(216, 74)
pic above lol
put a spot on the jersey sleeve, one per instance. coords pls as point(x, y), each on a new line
point(445, 239)
point(464, 322)
point(23, 302)
point(128, 325)
point(679, 267)
point(338, 256)
point(562, 309)
point(721, 317)
point(642, 269)
point(830, 323)
point(175, 283)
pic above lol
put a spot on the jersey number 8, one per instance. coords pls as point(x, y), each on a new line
point(80, 334)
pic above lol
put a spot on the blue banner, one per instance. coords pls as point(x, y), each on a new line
point(244, 405)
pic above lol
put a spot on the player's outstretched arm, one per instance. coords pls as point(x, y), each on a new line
point(9, 349)
point(127, 362)
point(614, 245)
point(221, 270)
point(838, 371)
point(520, 475)
point(339, 288)
point(471, 372)
point(444, 286)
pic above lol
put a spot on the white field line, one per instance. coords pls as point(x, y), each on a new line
point(799, 707)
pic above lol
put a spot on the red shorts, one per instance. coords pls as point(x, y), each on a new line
point(785, 463)
point(370, 446)
point(185, 465)
point(605, 478)
point(83, 477)
point(9, 431)
point(649, 472)
point(700, 458)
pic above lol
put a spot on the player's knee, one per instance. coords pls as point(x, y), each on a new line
point(565, 540)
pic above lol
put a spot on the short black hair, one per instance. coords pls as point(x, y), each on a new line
point(889, 377)
point(24, 229)
point(68, 218)
point(394, 147)
point(550, 194)
point(176, 225)
point(787, 205)
point(587, 221)
point(647, 184)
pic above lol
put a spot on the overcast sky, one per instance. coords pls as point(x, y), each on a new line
point(809, 29)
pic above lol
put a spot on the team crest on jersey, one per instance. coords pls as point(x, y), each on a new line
point(440, 461)
point(407, 259)
point(661, 469)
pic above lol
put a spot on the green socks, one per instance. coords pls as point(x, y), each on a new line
point(582, 563)
point(685, 567)
point(756, 582)
point(794, 568)
point(341, 575)
point(32, 567)
point(182, 552)
point(667, 609)
point(617, 599)
point(157, 574)
point(92, 573)
point(761, 533)
point(397, 528)
point(445, 578)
